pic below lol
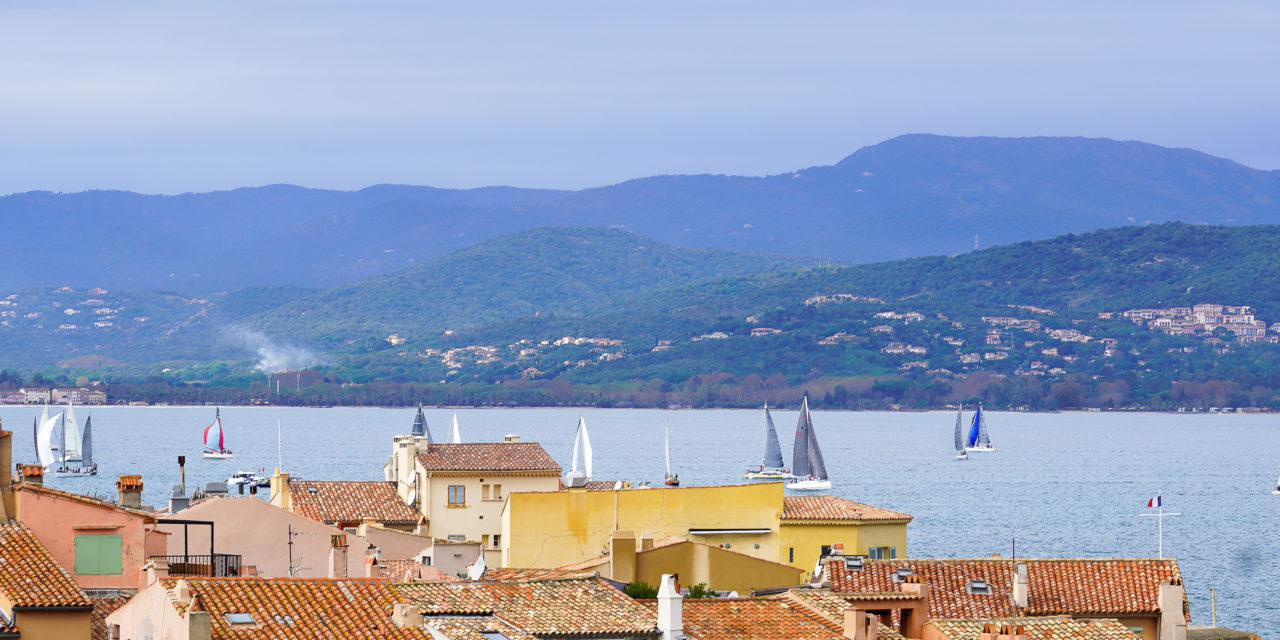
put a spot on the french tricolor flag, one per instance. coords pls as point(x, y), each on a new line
point(1154, 502)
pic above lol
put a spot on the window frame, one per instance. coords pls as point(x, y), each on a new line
point(457, 495)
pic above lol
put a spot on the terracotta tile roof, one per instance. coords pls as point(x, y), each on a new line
point(412, 571)
point(29, 576)
point(470, 627)
point(50, 491)
point(831, 607)
point(1101, 586)
point(297, 608)
point(103, 607)
point(602, 485)
point(334, 501)
point(525, 575)
point(1043, 629)
point(825, 507)
point(747, 619)
point(545, 608)
point(488, 456)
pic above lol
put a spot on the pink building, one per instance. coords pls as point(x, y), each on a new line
point(102, 544)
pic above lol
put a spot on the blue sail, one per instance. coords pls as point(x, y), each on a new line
point(973, 430)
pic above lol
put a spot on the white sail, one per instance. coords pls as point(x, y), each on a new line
point(44, 415)
point(582, 450)
point(457, 435)
point(44, 439)
point(71, 436)
point(476, 571)
point(667, 442)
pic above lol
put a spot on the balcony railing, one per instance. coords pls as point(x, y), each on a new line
point(218, 565)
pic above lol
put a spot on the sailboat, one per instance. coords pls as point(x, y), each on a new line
point(457, 435)
point(44, 415)
point(671, 480)
point(1277, 489)
point(809, 472)
point(960, 454)
point(771, 463)
point(420, 428)
point(580, 473)
point(69, 436)
point(87, 466)
point(44, 439)
point(978, 440)
point(214, 440)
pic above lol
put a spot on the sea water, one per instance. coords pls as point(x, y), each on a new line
point(1061, 484)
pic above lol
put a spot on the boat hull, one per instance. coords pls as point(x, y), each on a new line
point(809, 485)
point(217, 455)
point(962, 456)
point(80, 473)
point(980, 449)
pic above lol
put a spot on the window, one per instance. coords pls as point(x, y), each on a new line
point(978, 586)
point(457, 495)
point(880, 553)
point(99, 555)
point(484, 492)
point(240, 619)
point(497, 541)
point(791, 554)
point(497, 492)
point(457, 538)
point(893, 553)
point(484, 540)
point(826, 550)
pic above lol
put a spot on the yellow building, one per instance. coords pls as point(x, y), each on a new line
point(647, 560)
point(558, 528)
point(461, 488)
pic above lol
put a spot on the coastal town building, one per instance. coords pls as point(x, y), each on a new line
point(559, 528)
point(346, 504)
point(460, 488)
point(38, 598)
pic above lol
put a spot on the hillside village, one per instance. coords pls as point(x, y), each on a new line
point(493, 541)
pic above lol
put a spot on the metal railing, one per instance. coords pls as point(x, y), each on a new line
point(218, 565)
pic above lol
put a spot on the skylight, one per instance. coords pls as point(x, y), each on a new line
point(240, 619)
point(494, 635)
point(979, 586)
point(902, 573)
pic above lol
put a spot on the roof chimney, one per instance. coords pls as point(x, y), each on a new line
point(670, 609)
point(622, 556)
point(130, 488)
point(406, 615)
point(1019, 594)
point(338, 555)
point(1171, 598)
point(511, 437)
point(30, 473)
point(860, 625)
point(280, 490)
point(8, 506)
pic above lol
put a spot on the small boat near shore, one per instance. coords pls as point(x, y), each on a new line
point(671, 480)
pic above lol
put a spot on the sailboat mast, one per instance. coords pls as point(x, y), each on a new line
point(667, 442)
point(279, 447)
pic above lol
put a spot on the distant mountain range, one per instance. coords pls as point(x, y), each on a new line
point(910, 196)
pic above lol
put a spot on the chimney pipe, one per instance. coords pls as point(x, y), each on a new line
point(182, 473)
point(31, 474)
point(1019, 595)
point(130, 488)
point(670, 609)
point(8, 506)
point(338, 555)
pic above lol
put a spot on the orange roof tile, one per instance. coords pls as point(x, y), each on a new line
point(487, 456)
point(29, 576)
point(826, 507)
point(59, 493)
point(1101, 586)
point(1042, 629)
point(335, 501)
point(296, 608)
point(470, 627)
point(540, 607)
point(525, 575)
point(412, 571)
point(831, 607)
point(746, 619)
point(103, 607)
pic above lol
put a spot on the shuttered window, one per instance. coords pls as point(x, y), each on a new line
point(99, 554)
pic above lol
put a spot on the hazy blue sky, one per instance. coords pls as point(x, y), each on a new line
point(168, 97)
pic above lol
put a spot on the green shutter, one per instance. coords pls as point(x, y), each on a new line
point(98, 554)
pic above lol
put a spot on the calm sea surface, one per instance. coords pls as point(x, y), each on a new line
point(1063, 485)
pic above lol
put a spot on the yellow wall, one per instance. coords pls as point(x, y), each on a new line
point(1150, 626)
point(481, 518)
point(718, 568)
point(564, 527)
point(808, 539)
point(54, 625)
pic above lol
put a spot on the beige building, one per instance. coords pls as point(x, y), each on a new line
point(270, 541)
point(461, 488)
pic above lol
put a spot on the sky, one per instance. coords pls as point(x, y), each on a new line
point(163, 97)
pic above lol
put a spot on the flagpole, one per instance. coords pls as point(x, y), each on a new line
point(1159, 515)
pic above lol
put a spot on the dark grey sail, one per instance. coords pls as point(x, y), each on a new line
point(420, 426)
point(800, 450)
point(959, 430)
point(772, 450)
point(817, 467)
point(86, 445)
